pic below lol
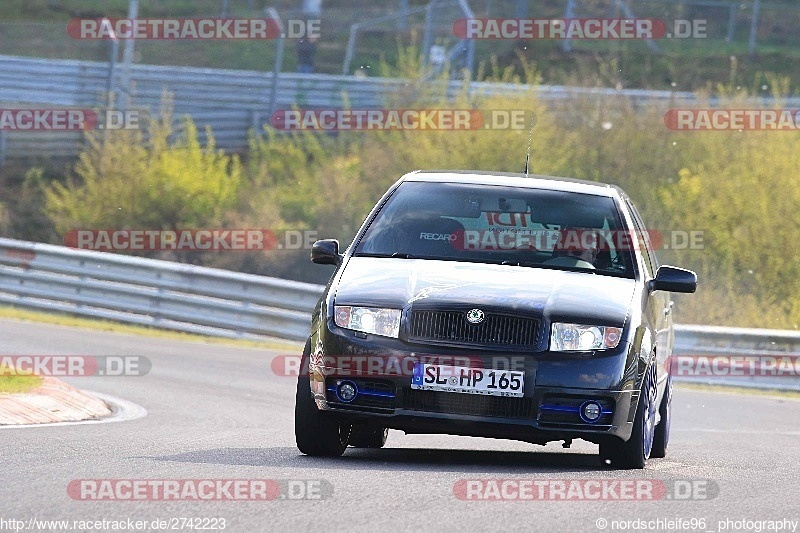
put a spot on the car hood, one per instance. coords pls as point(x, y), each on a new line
point(553, 294)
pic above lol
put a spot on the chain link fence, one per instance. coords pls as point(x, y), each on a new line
point(38, 28)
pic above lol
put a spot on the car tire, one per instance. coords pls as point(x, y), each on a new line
point(661, 436)
point(368, 437)
point(633, 453)
point(316, 433)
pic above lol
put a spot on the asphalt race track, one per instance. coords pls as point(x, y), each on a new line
point(219, 412)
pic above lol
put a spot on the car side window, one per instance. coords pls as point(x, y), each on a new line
point(650, 261)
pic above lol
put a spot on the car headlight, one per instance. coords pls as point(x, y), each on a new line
point(582, 338)
point(384, 322)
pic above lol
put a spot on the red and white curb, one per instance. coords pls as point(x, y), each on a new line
point(57, 403)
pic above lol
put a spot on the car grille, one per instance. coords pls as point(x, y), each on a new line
point(452, 327)
point(466, 404)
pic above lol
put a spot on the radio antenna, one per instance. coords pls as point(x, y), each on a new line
point(530, 141)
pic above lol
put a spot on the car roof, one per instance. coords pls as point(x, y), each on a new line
point(513, 179)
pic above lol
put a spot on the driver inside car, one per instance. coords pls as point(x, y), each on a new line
point(576, 248)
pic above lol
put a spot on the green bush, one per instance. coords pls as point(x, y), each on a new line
point(123, 180)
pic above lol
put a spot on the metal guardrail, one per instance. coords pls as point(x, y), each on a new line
point(218, 302)
point(152, 292)
point(744, 357)
point(235, 102)
point(231, 102)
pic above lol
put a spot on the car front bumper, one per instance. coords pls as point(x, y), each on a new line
point(556, 387)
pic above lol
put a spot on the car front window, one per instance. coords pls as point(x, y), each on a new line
point(500, 224)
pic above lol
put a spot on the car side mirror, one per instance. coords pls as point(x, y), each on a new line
point(674, 279)
point(326, 252)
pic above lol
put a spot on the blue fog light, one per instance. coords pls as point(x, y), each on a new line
point(590, 411)
point(346, 391)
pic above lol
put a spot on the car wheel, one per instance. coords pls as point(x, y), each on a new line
point(316, 433)
point(368, 437)
point(661, 437)
point(634, 452)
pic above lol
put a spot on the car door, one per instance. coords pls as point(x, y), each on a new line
point(659, 304)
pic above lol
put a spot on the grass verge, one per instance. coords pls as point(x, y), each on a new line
point(17, 384)
point(731, 389)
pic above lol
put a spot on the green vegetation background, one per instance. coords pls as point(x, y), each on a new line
point(739, 188)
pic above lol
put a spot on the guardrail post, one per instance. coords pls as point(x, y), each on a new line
point(402, 23)
point(569, 13)
point(731, 21)
point(754, 27)
point(112, 65)
point(127, 59)
point(273, 92)
point(351, 44)
point(470, 59)
point(428, 32)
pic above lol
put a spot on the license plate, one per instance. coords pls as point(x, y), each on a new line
point(465, 380)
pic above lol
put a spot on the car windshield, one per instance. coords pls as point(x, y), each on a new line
point(498, 224)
